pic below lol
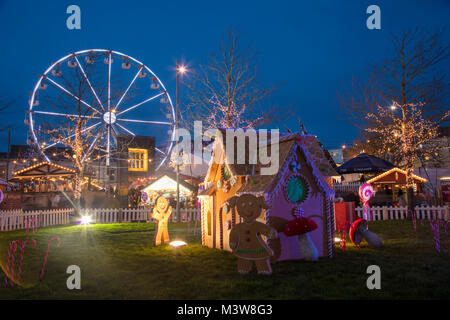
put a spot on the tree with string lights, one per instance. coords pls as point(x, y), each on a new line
point(224, 92)
point(402, 101)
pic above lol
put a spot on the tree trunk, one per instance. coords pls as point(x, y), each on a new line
point(410, 180)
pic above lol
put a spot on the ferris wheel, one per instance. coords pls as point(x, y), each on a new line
point(112, 93)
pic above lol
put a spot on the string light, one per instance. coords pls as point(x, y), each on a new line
point(41, 164)
point(398, 170)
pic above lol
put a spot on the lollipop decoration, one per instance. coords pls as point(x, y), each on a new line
point(365, 193)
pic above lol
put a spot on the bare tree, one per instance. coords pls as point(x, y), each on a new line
point(80, 130)
point(224, 92)
point(404, 99)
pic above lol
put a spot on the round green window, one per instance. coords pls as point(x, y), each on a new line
point(296, 189)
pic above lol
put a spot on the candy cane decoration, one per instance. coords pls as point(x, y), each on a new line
point(22, 253)
point(413, 217)
point(435, 228)
point(46, 255)
point(445, 234)
point(28, 225)
point(13, 258)
point(365, 193)
point(10, 263)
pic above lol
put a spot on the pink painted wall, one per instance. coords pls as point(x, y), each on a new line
point(312, 206)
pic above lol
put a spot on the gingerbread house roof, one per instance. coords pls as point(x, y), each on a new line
point(257, 183)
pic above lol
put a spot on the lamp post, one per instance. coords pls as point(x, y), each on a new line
point(180, 70)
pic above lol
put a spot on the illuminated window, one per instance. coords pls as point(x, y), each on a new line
point(137, 159)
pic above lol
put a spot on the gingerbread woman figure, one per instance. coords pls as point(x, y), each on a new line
point(245, 238)
point(162, 212)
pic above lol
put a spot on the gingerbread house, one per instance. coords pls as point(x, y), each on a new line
point(300, 185)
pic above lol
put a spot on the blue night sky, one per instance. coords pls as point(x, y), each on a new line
point(312, 48)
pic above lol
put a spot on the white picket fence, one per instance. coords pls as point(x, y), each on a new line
point(18, 219)
point(347, 186)
point(396, 213)
point(136, 214)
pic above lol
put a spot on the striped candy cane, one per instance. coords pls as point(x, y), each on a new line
point(7, 263)
point(22, 253)
point(46, 255)
point(435, 228)
point(445, 234)
point(13, 258)
point(10, 263)
point(28, 225)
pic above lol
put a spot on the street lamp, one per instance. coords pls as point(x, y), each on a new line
point(180, 70)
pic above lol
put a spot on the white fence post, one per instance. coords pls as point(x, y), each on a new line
point(397, 213)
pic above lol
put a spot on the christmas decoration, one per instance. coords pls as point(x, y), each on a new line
point(365, 193)
point(162, 212)
point(245, 238)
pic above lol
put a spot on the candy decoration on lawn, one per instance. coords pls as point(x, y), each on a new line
point(359, 231)
point(365, 193)
point(413, 217)
point(22, 253)
point(33, 223)
point(434, 224)
point(446, 235)
point(46, 255)
point(342, 233)
point(10, 263)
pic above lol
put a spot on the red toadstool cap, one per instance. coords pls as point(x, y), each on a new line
point(299, 226)
point(356, 238)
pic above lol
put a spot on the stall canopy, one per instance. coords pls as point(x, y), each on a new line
point(364, 163)
point(394, 176)
point(169, 182)
point(43, 170)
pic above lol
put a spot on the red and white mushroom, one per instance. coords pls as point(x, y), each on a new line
point(301, 227)
point(359, 230)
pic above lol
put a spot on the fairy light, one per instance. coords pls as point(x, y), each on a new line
point(384, 174)
point(404, 135)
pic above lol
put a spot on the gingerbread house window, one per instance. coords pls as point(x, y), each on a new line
point(296, 189)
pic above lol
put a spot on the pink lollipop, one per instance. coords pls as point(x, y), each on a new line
point(365, 193)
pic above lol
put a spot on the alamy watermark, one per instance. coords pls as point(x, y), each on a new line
point(74, 20)
point(374, 280)
point(251, 147)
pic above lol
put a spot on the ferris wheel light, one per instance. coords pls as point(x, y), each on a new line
point(56, 73)
point(35, 102)
point(89, 60)
point(182, 69)
point(164, 100)
point(71, 64)
point(142, 74)
point(155, 84)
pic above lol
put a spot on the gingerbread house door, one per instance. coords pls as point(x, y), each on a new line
point(209, 224)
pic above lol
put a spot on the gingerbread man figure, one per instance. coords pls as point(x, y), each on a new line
point(245, 238)
point(162, 212)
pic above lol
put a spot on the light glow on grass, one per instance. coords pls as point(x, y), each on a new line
point(337, 239)
point(178, 243)
point(85, 219)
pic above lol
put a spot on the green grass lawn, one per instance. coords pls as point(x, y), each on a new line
point(119, 261)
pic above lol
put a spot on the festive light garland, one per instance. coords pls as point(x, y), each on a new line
point(44, 163)
point(384, 174)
